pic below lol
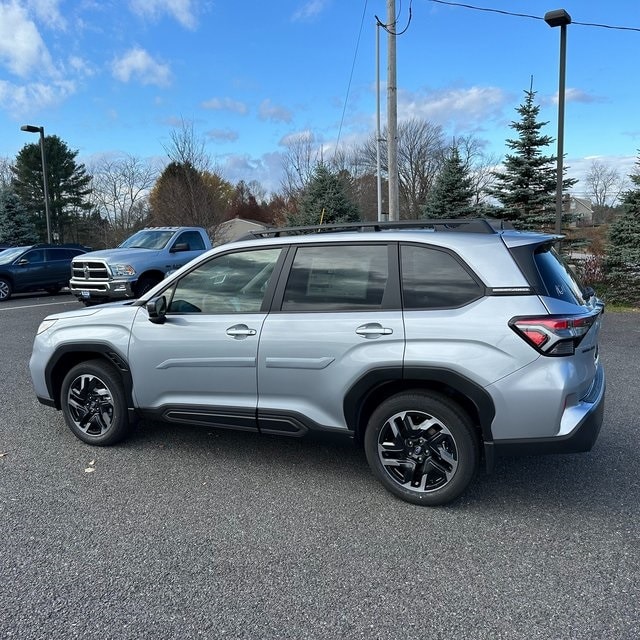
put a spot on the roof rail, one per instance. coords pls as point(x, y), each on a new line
point(468, 225)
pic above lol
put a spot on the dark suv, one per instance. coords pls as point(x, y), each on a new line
point(36, 267)
point(437, 344)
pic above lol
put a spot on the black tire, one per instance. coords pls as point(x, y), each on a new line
point(94, 403)
point(422, 447)
point(53, 290)
point(5, 290)
point(143, 285)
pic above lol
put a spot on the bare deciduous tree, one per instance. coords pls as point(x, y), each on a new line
point(421, 151)
point(120, 192)
point(189, 191)
point(604, 184)
point(302, 154)
point(478, 163)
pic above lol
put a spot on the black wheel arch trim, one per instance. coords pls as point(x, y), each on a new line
point(364, 388)
point(91, 350)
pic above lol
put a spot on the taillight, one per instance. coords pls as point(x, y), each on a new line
point(553, 335)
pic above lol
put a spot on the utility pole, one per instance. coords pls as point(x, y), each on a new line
point(392, 113)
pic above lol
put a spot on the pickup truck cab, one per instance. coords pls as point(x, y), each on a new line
point(139, 263)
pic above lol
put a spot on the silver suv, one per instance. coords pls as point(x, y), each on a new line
point(435, 344)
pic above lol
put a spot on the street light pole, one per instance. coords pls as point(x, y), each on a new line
point(560, 18)
point(45, 181)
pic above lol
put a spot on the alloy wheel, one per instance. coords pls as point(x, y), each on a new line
point(417, 451)
point(91, 405)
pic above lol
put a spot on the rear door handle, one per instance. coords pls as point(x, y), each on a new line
point(240, 331)
point(373, 330)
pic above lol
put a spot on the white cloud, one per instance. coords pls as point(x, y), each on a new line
point(297, 137)
point(310, 10)
point(576, 95)
point(80, 66)
point(273, 112)
point(182, 10)
point(454, 106)
point(138, 64)
point(20, 101)
point(266, 169)
point(222, 135)
point(22, 50)
point(225, 104)
point(48, 12)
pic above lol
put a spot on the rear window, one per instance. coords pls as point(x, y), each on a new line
point(560, 281)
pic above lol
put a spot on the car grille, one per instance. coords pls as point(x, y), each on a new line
point(89, 270)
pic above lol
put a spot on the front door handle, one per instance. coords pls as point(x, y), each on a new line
point(240, 331)
point(373, 330)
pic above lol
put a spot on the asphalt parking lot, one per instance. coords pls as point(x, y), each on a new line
point(195, 533)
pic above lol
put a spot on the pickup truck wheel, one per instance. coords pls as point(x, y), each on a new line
point(94, 404)
point(143, 285)
point(422, 447)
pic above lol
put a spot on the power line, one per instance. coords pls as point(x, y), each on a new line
point(353, 64)
point(531, 17)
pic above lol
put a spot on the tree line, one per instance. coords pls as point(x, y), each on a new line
point(101, 204)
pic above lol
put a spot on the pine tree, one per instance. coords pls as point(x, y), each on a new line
point(16, 226)
point(623, 255)
point(67, 180)
point(324, 200)
point(452, 193)
point(527, 185)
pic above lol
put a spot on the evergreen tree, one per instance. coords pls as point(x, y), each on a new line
point(527, 185)
point(68, 186)
point(623, 255)
point(452, 193)
point(16, 226)
point(324, 200)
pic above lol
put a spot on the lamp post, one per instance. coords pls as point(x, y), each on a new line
point(33, 129)
point(560, 18)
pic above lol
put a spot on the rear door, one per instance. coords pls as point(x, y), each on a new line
point(336, 319)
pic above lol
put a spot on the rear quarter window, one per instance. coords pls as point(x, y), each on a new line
point(435, 279)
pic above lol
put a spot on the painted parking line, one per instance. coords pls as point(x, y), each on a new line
point(32, 306)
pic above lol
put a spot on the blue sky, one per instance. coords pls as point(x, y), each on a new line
point(116, 76)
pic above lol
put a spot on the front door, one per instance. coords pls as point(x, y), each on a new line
point(199, 366)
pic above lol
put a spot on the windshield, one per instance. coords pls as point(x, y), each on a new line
point(148, 239)
point(8, 255)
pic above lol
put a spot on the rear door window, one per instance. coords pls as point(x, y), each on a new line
point(337, 278)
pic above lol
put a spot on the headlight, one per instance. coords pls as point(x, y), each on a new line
point(122, 270)
point(45, 325)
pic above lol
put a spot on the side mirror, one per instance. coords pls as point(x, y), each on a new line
point(157, 310)
point(180, 246)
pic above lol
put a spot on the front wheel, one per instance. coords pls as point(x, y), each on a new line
point(143, 285)
point(422, 447)
point(94, 403)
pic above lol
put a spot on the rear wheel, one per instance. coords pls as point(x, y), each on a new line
point(5, 289)
point(94, 403)
point(422, 447)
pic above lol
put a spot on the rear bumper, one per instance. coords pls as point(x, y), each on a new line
point(580, 439)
